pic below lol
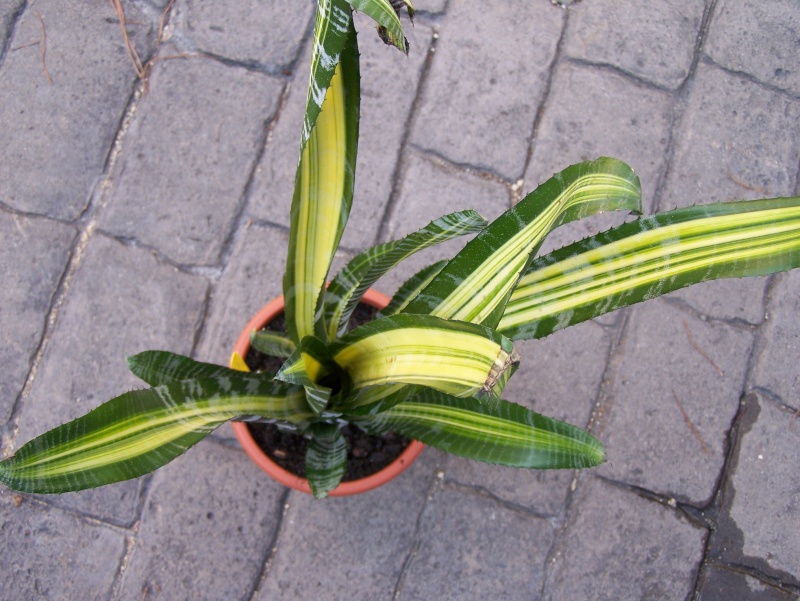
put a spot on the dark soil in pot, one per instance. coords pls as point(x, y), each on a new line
point(366, 453)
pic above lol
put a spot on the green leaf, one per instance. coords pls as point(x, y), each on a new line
point(387, 19)
point(474, 285)
point(272, 343)
point(312, 367)
point(326, 459)
point(455, 357)
point(650, 257)
point(411, 287)
point(163, 367)
point(139, 431)
point(351, 283)
point(500, 432)
point(323, 189)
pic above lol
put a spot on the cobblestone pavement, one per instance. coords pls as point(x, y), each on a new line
point(136, 217)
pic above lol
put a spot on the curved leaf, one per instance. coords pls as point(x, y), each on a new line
point(650, 257)
point(272, 343)
point(502, 432)
point(139, 431)
point(387, 18)
point(455, 357)
point(351, 283)
point(474, 285)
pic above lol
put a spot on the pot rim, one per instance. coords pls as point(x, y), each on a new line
point(285, 477)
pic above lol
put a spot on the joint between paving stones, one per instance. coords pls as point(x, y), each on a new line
point(391, 208)
point(56, 300)
point(436, 483)
point(16, 16)
point(539, 114)
point(714, 512)
point(240, 221)
point(485, 493)
point(273, 546)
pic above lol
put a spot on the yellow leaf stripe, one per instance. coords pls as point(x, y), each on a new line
point(661, 259)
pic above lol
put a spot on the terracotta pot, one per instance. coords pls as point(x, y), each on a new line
point(262, 460)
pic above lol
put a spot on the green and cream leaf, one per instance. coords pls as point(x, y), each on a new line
point(651, 256)
point(139, 431)
point(474, 285)
point(497, 432)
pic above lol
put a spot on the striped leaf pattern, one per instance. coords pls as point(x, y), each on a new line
point(326, 459)
point(458, 358)
point(163, 367)
point(351, 283)
point(500, 432)
point(474, 285)
point(650, 257)
point(139, 431)
point(387, 18)
point(323, 189)
point(411, 288)
point(312, 367)
point(272, 343)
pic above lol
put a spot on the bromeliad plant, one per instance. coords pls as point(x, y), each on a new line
point(433, 365)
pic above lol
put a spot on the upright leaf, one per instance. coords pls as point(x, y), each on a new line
point(474, 285)
point(650, 257)
point(325, 173)
point(412, 287)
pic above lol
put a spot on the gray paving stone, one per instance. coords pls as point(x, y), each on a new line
point(388, 83)
point(758, 38)
point(486, 82)
point(50, 554)
point(471, 547)
point(665, 365)
point(348, 547)
point(188, 155)
point(652, 39)
point(779, 346)
point(33, 257)
point(250, 32)
point(559, 377)
point(56, 136)
point(737, 141)
point(427, 191)
point(719, 584)
point(206, 528)
point(253, 277)
point(760, 515)
point(592, 113)
point(121, 301)
point(619, 546)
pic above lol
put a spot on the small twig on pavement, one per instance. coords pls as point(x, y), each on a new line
point(26, 46)
point(690, 424)
point(132, 53)
point(699, 350)
point(44, 48)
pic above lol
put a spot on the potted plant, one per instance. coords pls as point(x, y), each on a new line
point(433, 364)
